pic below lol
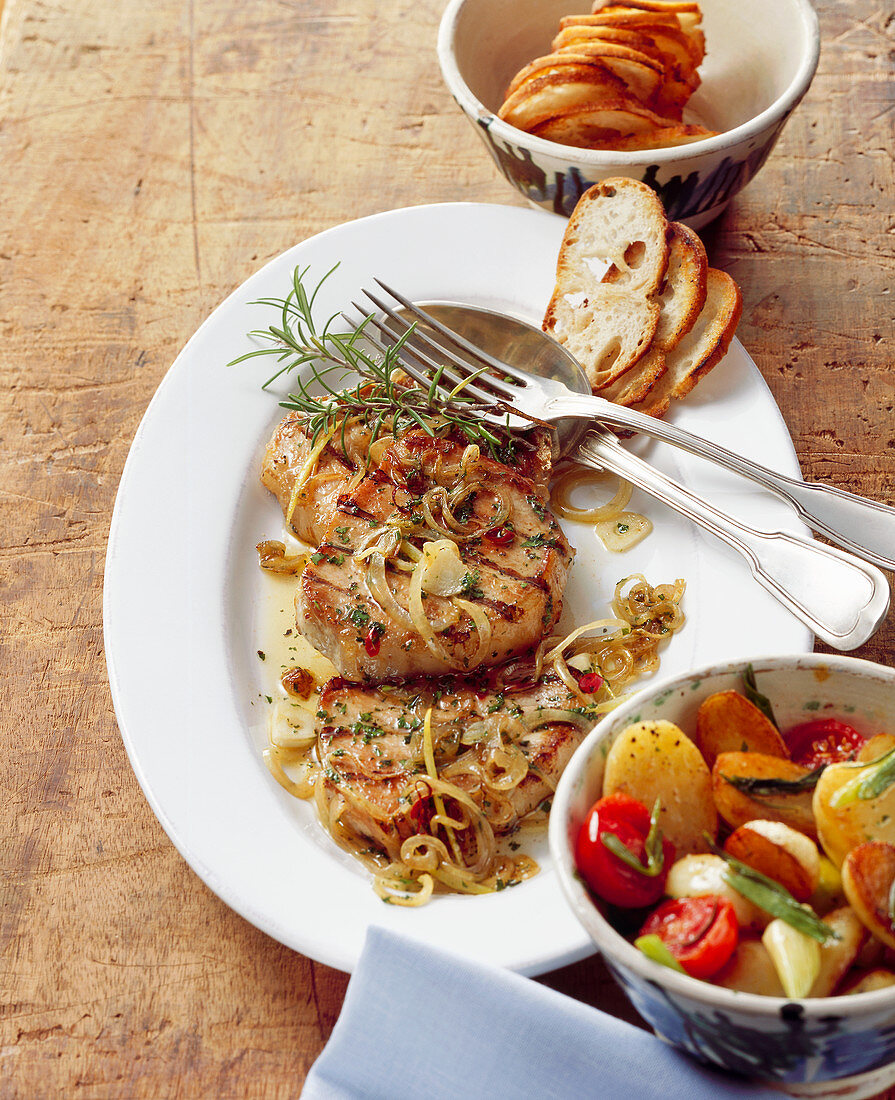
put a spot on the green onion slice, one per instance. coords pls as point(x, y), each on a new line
point(654, 948)
point(655, 857)
point(755, 697)
point(760, 785)
point(870, 782)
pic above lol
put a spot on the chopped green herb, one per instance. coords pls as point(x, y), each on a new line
point(755, 697)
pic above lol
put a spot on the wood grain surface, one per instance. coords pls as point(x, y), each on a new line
point(153, 156)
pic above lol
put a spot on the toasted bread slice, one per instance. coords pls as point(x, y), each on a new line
point(585, 124)
point(681, 300)
point(660, 137)
point(676, 6)
point(635, 384)
point(610, 269)
point(702, 348)
point(622, 223)
point(607, 331)
point(553, 96)
point(683, 292)
point(565, 65)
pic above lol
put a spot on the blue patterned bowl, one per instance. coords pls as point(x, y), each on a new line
point(842, 1046)
point(761, 57)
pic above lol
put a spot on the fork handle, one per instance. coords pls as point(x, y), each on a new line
point(843, 600)
point(863, 526)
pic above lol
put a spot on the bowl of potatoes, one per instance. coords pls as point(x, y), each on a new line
point(727, 840)
point(689, 97)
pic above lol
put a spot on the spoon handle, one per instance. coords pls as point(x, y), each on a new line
point(865, 527)
point(843, 600)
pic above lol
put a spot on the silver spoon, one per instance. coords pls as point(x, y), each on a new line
point(842, 599)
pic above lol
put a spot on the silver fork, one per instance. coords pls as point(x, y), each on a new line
point(509, 397)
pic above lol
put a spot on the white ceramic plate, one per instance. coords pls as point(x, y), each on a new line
point(183, 590)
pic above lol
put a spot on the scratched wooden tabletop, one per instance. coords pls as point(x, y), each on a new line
point(154, 156)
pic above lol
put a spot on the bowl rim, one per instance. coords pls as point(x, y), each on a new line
point(611, 944)
point(608, 158)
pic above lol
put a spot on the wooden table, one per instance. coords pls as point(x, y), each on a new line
point(153, 156)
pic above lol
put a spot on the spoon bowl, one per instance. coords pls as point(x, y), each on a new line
point(518, 344)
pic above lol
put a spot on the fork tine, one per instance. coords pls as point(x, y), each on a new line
point(500, 389)
point(439, 376)
point(454, 337)
point(407, 349)
point(419, 376)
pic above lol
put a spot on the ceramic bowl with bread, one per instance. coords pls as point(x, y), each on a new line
point(688, 97)
point(818, 1025)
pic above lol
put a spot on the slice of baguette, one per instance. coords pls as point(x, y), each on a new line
point(635, 384)
point(683, 292)
point(612, 264)
point(702, 348)
point(620, 222)
point(607, 330)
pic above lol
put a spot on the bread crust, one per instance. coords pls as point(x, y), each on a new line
point(703, 347)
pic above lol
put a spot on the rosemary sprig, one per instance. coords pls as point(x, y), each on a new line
point(382, 396)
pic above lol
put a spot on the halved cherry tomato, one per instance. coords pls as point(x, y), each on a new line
point(700, 932)
point(823, 741)
point(608, 875)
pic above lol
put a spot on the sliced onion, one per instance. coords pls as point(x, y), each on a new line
point(382, 540)
point(307, 469)
point(483, 628)
point(376, 580)
point(547, 716)
point(394, 887)
point(562, 489)
point(605, 626)
point(505, 767)
point(378, 447)
point(302, 787)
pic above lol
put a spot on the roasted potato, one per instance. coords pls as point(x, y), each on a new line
point(751, 970)
point(738, 807)
point(868, 879)
point(779, 852)
point(705, 873)
point(828, 894)
point(869, 981)
point(846, 818)
point(728, 722)
point(836, 956)
point(656, 760)
point(875, 747)
point(795, 955)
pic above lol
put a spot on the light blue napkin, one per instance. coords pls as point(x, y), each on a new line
point(421, 1023)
